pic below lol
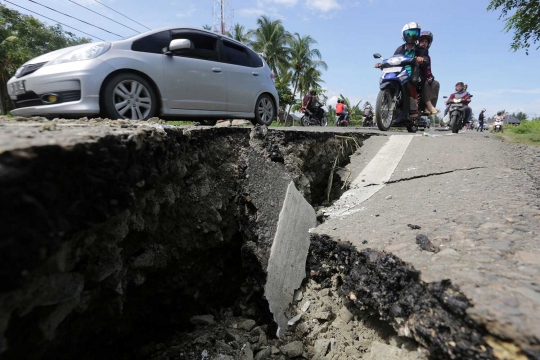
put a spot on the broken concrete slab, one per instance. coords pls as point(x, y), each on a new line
point(286, 265)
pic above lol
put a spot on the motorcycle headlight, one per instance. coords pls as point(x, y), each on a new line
point(394, 61)
point(88, 52)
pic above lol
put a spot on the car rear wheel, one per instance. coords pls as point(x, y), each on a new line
point(264, 110)
point(129, 96)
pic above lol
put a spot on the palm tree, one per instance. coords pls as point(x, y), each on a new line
point(239, 34)
point(305, 62)
point(271, 39)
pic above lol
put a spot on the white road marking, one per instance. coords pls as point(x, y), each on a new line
point(373, 178)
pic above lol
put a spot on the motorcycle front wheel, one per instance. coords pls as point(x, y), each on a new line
point(454, 124)
point(384, 109)
point(324, 121)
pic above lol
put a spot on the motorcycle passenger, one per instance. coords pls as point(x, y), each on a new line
point(341, 112)
point(461, 94)
point(430, 93)
point(410, 34)
point(481, 118)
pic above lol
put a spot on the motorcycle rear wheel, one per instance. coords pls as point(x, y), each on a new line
point(304, 120)
point(454, 124)
point(384, 114)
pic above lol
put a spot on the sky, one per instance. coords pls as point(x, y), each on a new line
point(469, 44)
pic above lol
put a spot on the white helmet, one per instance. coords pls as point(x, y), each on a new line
point(483, 110)
point(411, 30)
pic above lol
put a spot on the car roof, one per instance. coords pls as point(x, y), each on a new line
point(141, 35)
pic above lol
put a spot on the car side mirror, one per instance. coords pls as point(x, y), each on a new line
point(377, 56)
point(179, 44)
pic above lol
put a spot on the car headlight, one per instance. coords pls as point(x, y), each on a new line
point(19, 71)
point(88, 52)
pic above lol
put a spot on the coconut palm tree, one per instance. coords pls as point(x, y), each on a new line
point(271, 39)
point(305, 62)
point(240, 34)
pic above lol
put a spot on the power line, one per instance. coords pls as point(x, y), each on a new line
point(95, 12)
point(71, 27)
point(122, 14)
point(35, 2)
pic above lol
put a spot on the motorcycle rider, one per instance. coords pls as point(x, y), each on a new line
point(498, 120)
point(481, 118)
point(410, 34)
point(430, 93)
point(341, 112)
point(461, 94)
point(368, 116)
point(311, 105)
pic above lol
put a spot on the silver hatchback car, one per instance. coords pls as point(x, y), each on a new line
point(182, 73)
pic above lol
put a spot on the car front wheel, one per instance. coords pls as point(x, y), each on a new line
point(129, 96)
point(264, 110)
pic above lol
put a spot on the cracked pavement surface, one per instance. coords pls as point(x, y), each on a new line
point(476, 199)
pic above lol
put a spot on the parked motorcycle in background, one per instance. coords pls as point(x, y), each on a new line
point(393, 105)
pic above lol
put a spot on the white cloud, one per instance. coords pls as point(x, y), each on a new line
point(271, 12)
point(188, 11)
point(323, 5)
point(288, 3)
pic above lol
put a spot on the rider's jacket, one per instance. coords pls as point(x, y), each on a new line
point(460, 95)
point(339, 108)
point(415, 51)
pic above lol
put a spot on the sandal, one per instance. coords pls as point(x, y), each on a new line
point(435, 112)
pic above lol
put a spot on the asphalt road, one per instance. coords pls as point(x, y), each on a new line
point(476, 199)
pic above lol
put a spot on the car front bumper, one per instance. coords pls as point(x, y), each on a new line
point(76, 85)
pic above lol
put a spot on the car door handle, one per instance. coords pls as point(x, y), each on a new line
point(216, 70)
point(255, 73)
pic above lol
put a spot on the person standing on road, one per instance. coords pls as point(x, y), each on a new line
point(481, 118)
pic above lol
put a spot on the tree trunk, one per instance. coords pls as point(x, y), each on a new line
point(5, 101)
point(290, 106)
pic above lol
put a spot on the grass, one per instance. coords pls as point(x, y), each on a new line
point(527, 133)
point(188, 123)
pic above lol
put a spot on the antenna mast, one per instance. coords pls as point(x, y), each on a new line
point(223, 16)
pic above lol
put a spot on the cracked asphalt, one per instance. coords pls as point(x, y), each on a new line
point(476, 199)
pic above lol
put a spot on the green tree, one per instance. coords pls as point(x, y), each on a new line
point(271, 39)
point(286, 97)
point(23, 38)
point(525, 22)
point(521, 116)
point(240, 34)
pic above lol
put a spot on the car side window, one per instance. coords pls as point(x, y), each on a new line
point(204, 46)
point(155, 43)
point(256, 60)
point(235, 54)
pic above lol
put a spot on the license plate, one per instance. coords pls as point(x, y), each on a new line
point(391, 70)
point(17, 88)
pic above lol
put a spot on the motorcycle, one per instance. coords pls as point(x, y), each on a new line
point(456, 112)
point(497, 127)
point(368, 121)
point(393, 105)
point(309, 119)
point(341, 121)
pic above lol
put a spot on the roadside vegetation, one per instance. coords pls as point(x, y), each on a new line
point(528, 132)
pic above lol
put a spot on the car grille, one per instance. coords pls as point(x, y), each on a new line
point(30, 68)
point(32, 99)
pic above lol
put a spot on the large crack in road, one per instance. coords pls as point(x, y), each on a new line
point(146, 241)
